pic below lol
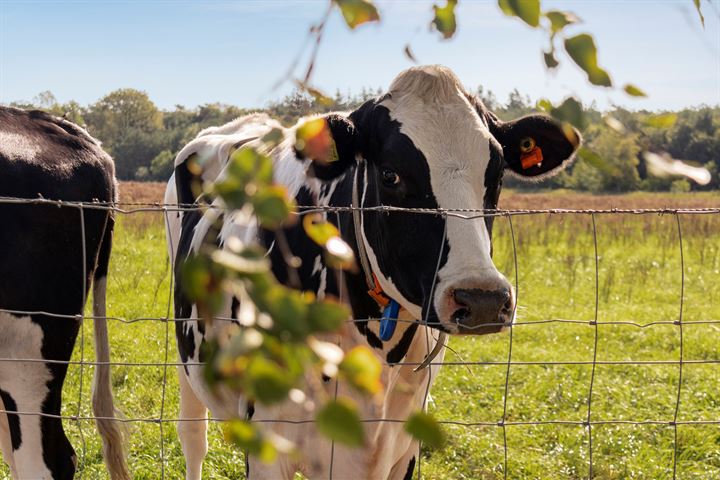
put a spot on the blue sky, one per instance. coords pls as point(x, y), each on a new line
point(191, 52)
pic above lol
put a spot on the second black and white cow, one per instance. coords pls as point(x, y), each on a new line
point(49, 257)
point(426, 144)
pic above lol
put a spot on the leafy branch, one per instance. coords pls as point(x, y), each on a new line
point(281, 349)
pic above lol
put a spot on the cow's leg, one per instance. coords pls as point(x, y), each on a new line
point(193, 434)
point(40, 449)
point(5, 442)
point(405, 467)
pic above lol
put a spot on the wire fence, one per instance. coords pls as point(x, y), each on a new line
point(588, 421)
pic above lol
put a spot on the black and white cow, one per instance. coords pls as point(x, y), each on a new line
point(41, 272)
point(425, 144)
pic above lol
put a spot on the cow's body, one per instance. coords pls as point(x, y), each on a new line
point(427, 144)
point(44, 270)
point(390, 452)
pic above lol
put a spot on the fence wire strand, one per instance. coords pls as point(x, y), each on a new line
point(504, 423)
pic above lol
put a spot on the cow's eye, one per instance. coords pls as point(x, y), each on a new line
point(390, 178)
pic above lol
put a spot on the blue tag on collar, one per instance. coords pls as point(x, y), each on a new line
point(389, 320)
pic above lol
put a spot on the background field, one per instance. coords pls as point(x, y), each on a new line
point(639, 281)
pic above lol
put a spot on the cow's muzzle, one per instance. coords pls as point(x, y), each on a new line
point(481, 311)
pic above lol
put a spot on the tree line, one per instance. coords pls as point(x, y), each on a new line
point(143, 139)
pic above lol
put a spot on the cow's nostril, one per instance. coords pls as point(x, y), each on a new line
point(508, 306)
point(464, 298)
point(507, 296)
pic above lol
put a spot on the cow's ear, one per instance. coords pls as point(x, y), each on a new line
point(535, 145)
point(329, 143)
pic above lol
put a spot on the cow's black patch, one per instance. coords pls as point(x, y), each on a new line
point(399, 351)
point(405, 244)
point(234, 307)
point(13, 419)
point(183, 305)
point(410, 469)
point(57, 452)
point(493, 184)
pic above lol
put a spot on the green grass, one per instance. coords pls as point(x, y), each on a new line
point(639, 280)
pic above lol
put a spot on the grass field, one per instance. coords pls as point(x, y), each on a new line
point(639, 280)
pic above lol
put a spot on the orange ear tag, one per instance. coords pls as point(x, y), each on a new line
point(531, 158)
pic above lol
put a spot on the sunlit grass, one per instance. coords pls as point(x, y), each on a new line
point(639, 280)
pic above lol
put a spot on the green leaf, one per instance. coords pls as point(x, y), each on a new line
point(266, 381)
point(663, 120)
point(570, 111)
point(208, 352)
point(339, 420)
point(560, 20)
point(273, 138)
point(699, 10)
point(595, 160)
point(272, 206)
point(318, 229)
point(550, 60)
point(338, 252)
point(326, 316)
point(247, 437)
point(582, 50)
point(247, 171)
point(527, 10)
point(362, 369)
point(316, 93)
point(231, 190)
point(247, 164)
point(288, 310)
point(422, 426)
point(202, 282)
point(444, 20)
point(357, 12)
point(634, 91)
point(544, 104)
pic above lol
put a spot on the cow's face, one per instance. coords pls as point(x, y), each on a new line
point(428, 144)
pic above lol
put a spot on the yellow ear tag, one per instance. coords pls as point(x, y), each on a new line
point(530, 153)
point(332, 153)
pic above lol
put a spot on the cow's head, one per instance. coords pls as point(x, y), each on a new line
point(429, 144)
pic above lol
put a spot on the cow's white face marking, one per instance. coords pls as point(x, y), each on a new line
point(26, 383)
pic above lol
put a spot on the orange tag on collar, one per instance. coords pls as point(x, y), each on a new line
point(377, 294)
point(531, 158)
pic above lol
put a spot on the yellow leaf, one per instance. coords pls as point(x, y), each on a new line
point(357, 12)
